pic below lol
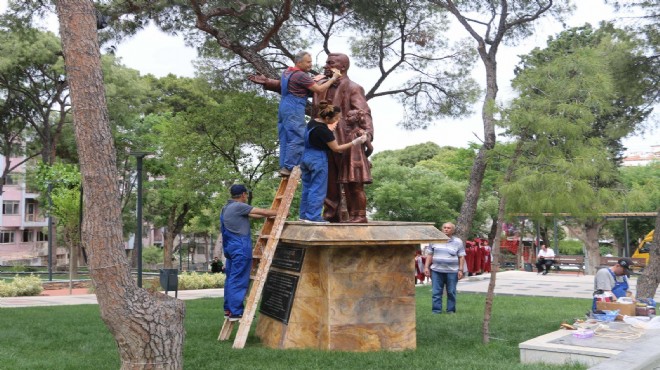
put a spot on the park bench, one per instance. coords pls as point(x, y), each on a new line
point(569, 261)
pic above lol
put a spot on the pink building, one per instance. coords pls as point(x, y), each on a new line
point(23, 229)
point(642, 158)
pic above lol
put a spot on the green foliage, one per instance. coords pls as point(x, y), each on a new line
point(571, 247)
point(194, 280)
point(64, 181)
point(640, 192)
point(401, 193)
point(425, 182)
point(21, 286)
point(570, 121)
point(152, 254)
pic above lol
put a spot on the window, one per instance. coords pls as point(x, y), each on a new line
point(41, 236)
point(6, 237)
point(28, 236)
point(30, 210)
point(10, 207)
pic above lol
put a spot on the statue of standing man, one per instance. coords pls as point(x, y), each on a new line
point(350, 169)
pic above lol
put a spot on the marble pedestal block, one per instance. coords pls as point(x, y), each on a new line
point(355, 286)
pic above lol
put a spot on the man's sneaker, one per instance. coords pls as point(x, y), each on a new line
point(284, 172)
point(227, 314)
point(235, 317)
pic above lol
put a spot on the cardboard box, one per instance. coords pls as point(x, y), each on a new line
point(624, 309)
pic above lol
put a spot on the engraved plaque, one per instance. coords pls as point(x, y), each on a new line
point(277, 297)
point(288, 257)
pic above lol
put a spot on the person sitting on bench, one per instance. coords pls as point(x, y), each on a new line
point(545, 258)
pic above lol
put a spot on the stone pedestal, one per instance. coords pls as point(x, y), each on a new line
point(355, 287)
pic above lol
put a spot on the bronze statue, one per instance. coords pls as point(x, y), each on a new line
point(350, 169)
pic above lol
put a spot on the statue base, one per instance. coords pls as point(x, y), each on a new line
point(346, 287)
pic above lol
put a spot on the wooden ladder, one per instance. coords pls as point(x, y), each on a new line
point(262, 257)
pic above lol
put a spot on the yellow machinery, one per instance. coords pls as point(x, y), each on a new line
point(643, 249)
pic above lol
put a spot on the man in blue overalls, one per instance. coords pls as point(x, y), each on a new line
point(295, 86)
point(237, 247)
point(613, 279)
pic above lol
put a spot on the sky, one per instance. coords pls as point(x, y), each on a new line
point(152, 51)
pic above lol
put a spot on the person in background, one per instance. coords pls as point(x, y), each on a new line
point(295, 86)
point(419, 267)
point(545, 259)
point(237, 247)
point(444, 264)
point(216, 265)
point(319, 140)
point(487, 256)
point(613, 280)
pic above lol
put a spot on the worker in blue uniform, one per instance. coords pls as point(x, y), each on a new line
point(613, 279)
point(296, 86)
point(237, 247)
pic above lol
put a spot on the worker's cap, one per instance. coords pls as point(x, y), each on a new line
point(237, 189)
point(626, 263)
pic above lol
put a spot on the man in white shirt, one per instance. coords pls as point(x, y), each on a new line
point(545, 258)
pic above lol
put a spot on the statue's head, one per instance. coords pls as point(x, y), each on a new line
point(336, 60)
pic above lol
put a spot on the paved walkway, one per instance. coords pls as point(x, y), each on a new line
point(567, 285)
point(63, 300)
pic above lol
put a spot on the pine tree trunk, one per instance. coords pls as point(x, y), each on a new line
point(148, 327)
point(648, 283)
point(469, 206)
point(587, 233)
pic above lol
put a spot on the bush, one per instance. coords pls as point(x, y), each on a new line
point(571, 247)
point(193, 280)
point(152, 255)
point(21, 286)
point(7, 289)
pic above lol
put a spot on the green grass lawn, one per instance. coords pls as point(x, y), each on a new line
point(74, 337)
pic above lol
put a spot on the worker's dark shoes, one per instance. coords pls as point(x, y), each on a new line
point(227, 314)
point(545, 272)
point(235, 317)
point(284, 172)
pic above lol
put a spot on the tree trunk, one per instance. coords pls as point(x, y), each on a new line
point(648, 283)
point(588, 234)
point(148, 327)
point(168, 248)
point(469, 206)
point(495, 252)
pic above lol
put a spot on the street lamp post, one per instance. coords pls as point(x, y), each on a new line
point(50, 234)
point(138, 232)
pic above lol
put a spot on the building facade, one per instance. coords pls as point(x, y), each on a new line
point(23, 228)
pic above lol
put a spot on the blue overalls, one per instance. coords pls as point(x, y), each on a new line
point(291, 125)
point(238, 252)
point(314, 169)
point(619, 289)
